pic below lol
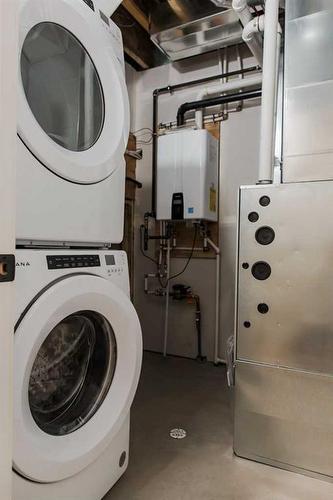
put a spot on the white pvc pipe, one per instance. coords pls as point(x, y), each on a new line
point(167, 298)
point(241, 75)
point(244, 14)
point(222, 88)
point(108, 6)
point(276, 177)
point(269, 86)
point(217, 302)
point(255, 26)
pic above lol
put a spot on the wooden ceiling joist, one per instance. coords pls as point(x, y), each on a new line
point(137, 14)
point(137, 44)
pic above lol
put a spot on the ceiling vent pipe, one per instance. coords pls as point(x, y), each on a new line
point(243, 12)
point(185, 28)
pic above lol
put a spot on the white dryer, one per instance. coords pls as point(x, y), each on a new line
point(73, 124)
point(77, 360)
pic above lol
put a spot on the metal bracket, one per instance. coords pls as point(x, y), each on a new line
point(7, 268)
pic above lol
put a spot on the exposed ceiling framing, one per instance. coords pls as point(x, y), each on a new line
point(138, 19)
point(136, 12)
point(133, 21)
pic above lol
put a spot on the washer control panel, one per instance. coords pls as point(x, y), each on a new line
point(72, 261)
point(115, 266)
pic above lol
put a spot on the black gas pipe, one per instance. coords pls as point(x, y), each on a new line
point(214, 101)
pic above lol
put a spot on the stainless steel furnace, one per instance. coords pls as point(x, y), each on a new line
point(284, 305)
point(284, 343)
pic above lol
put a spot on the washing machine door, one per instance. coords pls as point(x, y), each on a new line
point(73, 102)
point(77, 358)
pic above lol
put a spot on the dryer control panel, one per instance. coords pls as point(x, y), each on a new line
point(72, 261)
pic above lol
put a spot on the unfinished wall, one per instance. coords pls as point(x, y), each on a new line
point(239, 160)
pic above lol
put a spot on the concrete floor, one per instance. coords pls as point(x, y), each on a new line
point(182, 393)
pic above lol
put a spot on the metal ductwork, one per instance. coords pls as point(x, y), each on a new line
point(184, 28)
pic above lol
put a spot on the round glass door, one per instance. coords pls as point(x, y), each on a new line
point(77, 358)
point(72, 373)
point(62, 86)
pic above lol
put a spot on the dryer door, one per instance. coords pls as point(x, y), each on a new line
point(77, 359)
point(73, 101)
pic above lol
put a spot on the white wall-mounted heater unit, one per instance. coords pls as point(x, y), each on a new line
point(187, 176)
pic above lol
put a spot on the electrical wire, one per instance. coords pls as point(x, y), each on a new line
point(137, 154)
point(144, 136)
point(187, 263)
point(142, 250)
point(141, 129)
point(165, 284)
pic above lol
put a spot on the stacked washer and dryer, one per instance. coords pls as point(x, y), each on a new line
point(77, 345)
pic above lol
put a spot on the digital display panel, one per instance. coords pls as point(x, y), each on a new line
point(110, 260)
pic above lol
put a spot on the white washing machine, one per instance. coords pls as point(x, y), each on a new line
point(73, 124)
point(77, 360)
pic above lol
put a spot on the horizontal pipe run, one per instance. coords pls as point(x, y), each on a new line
point(214, 101)
point(180, 86)
point(188, 249)
point(236, 84)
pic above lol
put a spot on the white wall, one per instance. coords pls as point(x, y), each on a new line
point(239, 160)
point(131, 80)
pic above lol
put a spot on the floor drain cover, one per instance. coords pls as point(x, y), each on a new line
point(178, 433)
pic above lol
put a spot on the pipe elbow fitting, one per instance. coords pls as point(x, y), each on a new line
point(256, 25)
point(239, 5)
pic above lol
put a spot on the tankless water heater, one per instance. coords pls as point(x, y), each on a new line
point(187, 175)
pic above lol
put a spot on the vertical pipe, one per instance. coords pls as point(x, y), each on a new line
point(217, 301)
point(241, 76)
point(200, 357)
point(154, 163)
point(244, 14)
point(217, 311)
point(269, 85)
point(277, 154)
point(167, 298)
